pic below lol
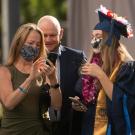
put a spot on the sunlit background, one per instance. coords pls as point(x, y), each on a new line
point(78, 18)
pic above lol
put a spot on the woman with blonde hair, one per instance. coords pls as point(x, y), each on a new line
point(22, 78)
point(108, 87)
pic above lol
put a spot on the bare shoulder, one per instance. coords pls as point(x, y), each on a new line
point(4, 71)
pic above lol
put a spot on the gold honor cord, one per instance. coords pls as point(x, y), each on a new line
point(101, 120)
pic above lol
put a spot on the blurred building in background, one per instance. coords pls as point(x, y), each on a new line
point(9, 23)
point(82, 19)
point(78, 18)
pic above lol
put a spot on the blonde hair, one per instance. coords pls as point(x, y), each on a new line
point(125, 55)
point(19, 39)
point(113, 54)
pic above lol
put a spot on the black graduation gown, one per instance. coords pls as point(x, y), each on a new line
point(121, 110)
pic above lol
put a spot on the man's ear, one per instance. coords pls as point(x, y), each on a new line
point(61, 33)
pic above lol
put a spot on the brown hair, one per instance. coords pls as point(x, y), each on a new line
point(19, 39)
point(113, 54)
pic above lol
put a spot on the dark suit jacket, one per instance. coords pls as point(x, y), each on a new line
point(70, 62)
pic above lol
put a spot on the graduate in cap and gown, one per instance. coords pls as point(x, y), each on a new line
point(108, 79)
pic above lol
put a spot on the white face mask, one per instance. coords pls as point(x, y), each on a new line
point(96, 44)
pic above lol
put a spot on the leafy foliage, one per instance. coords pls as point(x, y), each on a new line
point(32, 10)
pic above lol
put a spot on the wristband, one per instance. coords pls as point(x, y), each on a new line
point(24, 91)
point(55, 86)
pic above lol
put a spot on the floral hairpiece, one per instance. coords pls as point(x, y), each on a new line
point(119, 19)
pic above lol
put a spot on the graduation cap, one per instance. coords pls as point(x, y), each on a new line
point(113, 24)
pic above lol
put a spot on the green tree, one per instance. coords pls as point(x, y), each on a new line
point(32, 10)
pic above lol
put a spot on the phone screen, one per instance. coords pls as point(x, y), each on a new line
point(78, 102)
point(52, 57)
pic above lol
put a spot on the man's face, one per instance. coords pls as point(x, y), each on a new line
point(52, 35)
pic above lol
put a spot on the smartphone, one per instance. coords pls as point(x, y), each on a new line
point(77, 101)
point(52, 57)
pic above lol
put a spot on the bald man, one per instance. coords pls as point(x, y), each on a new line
point(68, 62)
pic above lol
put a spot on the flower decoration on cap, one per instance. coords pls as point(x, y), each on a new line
point(119, 20)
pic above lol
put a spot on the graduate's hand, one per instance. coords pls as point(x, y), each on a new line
point(92, 69)
point(77, 104)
